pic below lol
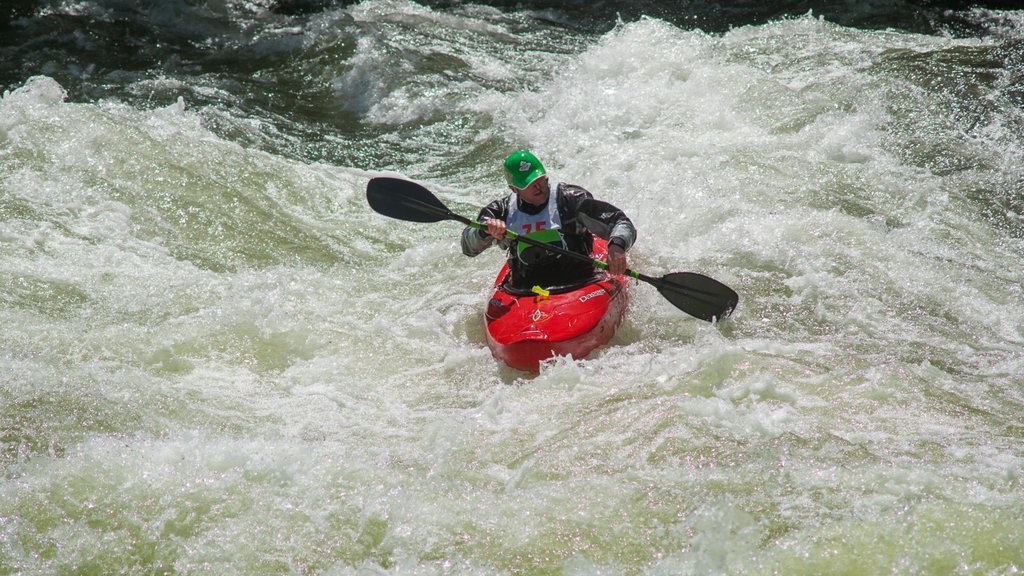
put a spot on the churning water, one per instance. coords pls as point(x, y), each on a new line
point(216, 359)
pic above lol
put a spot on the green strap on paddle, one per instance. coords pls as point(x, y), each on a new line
point(697, 295)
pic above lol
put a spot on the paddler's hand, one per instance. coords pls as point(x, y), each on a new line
point(496, 228)
point(616, 259)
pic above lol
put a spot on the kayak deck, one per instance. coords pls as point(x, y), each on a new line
point(525, 328)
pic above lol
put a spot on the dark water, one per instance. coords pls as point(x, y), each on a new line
point(256, 59)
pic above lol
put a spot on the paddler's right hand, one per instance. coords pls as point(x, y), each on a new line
point(496, 228)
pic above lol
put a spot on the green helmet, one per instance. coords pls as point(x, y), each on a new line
point(521, 168)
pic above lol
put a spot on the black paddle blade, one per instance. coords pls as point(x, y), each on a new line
point(698, 295)
point(405, 200)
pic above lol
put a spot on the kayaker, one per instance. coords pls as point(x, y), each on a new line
point(552, 214)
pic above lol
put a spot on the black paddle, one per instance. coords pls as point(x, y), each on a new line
point(695, 294)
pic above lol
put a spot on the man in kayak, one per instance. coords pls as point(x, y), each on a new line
point(554, 214)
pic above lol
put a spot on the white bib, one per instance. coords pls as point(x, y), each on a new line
point(544, 226)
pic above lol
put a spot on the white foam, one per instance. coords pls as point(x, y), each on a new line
point(223, 358)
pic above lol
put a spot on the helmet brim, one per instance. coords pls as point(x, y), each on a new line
point(521, 182)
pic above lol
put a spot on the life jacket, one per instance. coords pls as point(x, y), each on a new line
point(544, 226)
point(532, 265)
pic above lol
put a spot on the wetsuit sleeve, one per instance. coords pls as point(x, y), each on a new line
point(475, 241)
point(607, 222)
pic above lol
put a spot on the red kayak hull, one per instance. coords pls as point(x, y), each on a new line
point(525, 329)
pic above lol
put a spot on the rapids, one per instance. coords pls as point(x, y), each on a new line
point(216, 359)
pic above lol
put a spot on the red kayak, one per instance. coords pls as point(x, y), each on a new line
point(525, 327)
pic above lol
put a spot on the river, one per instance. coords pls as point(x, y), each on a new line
point(216, 359)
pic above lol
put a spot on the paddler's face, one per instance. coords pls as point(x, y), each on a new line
point(535, 193)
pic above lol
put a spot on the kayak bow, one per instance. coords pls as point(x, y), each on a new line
point(524, 328)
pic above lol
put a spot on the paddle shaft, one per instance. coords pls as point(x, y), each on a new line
point(532, 242)
point(656, 282)
point(695, 294)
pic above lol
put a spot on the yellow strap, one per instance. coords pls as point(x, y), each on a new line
point(540, 291)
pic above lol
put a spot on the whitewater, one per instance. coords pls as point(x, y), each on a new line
point(217, 359)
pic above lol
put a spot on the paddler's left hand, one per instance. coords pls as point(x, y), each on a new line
point(616, 259)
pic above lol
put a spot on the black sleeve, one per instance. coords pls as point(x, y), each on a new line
point(569, 200)
point(601, 218)
point(475, 241)
point(497, 210)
